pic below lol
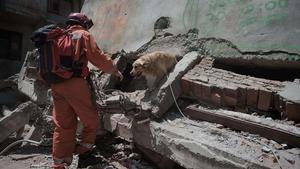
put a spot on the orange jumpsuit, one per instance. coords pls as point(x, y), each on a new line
point(72, 99)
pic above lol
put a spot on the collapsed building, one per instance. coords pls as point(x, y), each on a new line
point(232, 100)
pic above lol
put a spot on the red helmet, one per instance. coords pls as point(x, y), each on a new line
point(80, 19)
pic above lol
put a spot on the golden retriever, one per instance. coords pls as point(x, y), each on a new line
point(153, 66)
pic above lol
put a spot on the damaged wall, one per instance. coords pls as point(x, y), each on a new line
point(250, 24)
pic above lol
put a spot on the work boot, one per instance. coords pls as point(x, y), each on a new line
point(88, 159)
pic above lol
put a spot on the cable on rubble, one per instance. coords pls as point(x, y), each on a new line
point(18, 142)
point(174, 98)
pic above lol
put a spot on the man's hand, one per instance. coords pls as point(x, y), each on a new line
point(119, 75)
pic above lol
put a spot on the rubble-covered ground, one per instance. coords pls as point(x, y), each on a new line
point(114, 152)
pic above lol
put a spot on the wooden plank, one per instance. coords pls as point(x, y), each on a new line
point(15, 120)
point(244, 122)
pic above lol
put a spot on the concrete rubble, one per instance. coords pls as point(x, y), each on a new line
point(169, 136)
point(212, 74)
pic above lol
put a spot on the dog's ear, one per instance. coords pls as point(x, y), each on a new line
point(145, 64)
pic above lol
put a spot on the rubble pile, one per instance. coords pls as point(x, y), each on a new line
point(211, 86)
point(178, 124)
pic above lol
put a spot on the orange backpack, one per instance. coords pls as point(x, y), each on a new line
point(56, 56)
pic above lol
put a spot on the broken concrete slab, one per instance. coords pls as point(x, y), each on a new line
point(228, 53)
point(15, 120)
point(192, 144)
point(35, 90)
point(290, 91)
point(270, 129)
point(28, 84)
point(10, 96)
point(118, 124)
point(288, 158)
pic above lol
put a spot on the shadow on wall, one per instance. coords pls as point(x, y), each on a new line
point(9, 68)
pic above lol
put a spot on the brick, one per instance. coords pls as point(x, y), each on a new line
point(206, 92)
point(218, 95)
point(185, 85)
point(264, 100)
point(230, 91)
point(230, 101)
point(196, 90)
point(230, 96)
point(192, 88)
point(241, 98)
point(276, 102)
point(216, 99)
point(252, 97)
point(282, 106)
point(293, 111)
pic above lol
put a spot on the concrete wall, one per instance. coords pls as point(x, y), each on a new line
point(250, 24)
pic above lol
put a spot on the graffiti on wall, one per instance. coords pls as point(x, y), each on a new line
point(250, 12)
point(270, 8)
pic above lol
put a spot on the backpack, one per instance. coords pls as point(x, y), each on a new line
point(56, 57)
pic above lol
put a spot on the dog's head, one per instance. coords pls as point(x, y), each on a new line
point(138, 67)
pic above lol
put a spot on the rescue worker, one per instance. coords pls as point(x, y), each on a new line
point(72, 98)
